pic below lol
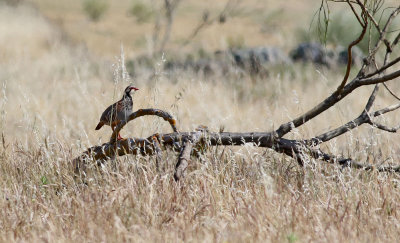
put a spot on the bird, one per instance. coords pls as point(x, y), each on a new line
point(119, 111)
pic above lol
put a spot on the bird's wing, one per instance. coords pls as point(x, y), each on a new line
point(109, 114)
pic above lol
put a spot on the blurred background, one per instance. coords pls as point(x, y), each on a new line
point(144, 25)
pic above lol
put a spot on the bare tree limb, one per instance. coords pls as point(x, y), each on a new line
point(170, 7)
point(144, 112)
point(183, 160)
point(227, 11)
point(189, 146)
point(386, 110)
point(364, 117)
point(343, 90)
point(391, 92)
point(371, 98)
point(157, 150)
point(349, 54)
point(396, 40)
point(383, 68)
point(331, 100)
point(293, 148)
point(377, 80)
point(347, 162)
point(318, 109)
point(385, 128)
point(382, 34)
point(362, 23)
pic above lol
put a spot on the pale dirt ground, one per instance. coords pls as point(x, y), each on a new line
point(54, 90)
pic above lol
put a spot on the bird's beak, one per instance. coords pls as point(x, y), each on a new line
point(134, 88)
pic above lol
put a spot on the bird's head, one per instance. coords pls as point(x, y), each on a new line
point(129, 89)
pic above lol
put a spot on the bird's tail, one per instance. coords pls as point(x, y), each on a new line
point(99, 125)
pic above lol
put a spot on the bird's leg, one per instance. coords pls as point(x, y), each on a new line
point(119, 135)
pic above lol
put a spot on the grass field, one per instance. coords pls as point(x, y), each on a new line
point(58, 72)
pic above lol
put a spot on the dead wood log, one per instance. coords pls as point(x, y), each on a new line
point(157, 150)
point(184, 158)
point(190, 143)
point(296, 149)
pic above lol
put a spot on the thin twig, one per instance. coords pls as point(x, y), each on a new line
point(393, 94)
point(349, 54)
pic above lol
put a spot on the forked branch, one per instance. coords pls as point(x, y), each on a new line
point(298, 150)
point(345, 88)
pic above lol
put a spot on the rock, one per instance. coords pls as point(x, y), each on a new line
point(357, 55)
point(262, 55)
point(316, 53)
point(313, 52)
point(253, 61)
point(257, 59)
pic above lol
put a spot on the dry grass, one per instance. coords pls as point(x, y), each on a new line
point(53, 94)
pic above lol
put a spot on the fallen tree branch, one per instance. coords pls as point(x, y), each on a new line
point(144, 112)
point(189, 146)
point(293, 148)
point(183, 159)
point(347, 162)
point(157, 149)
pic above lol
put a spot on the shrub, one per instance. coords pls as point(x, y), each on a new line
point(234, 42)
point(95, 9)
point(141, 12)
point(343, 28)
point(12, 3)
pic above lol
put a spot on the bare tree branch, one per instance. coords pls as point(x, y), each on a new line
point(331, 100)
point(391, 92)
point(363, 118)
point(343, 90)
point(170, 7)
point(318, 109)
point(144, 112)
point(382, 34)
point(347, 162)
point(226, 12)
point(396, 40)
point(157, 149)
point(362, 23)
point(371, 98)
point(377, 80)
point(293, 148)
point(355, 42)
point(183, 160)
point(384, 67)
point(385, 128)
point(386, 110)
